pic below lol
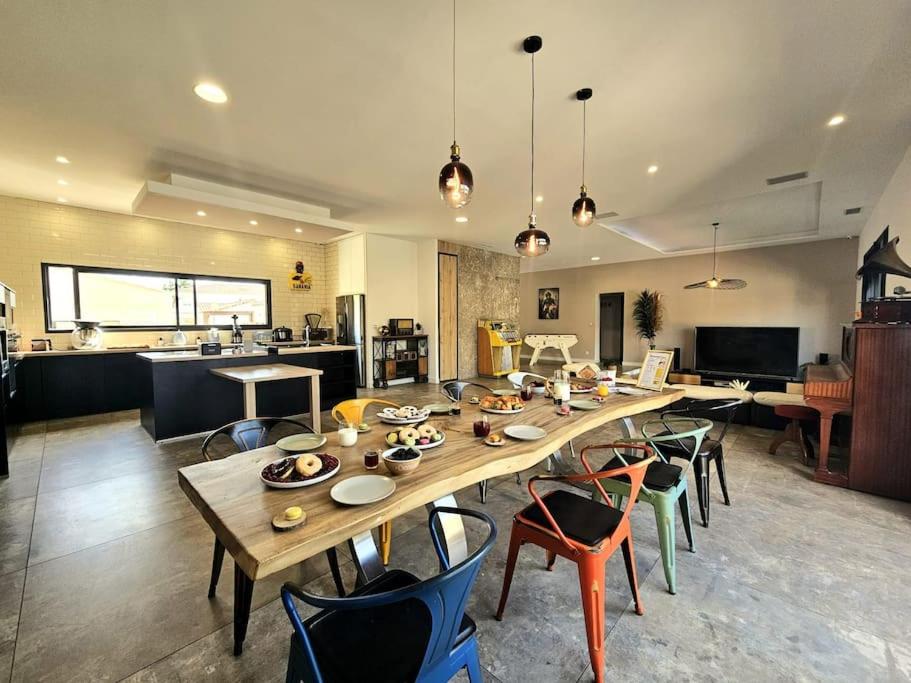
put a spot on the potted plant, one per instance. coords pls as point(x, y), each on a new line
point(648, 314)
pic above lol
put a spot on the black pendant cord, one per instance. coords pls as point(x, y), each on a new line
point(453, 71)
point(532, 133)
point(584, 103)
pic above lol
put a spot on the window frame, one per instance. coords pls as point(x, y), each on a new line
point(46, 295)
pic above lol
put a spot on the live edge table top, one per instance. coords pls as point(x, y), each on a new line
point(265, 373)
point(239, 507)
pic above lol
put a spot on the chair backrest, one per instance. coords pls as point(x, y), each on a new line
point(699, 407)
point(352, 410)
point(519, 378)
point(444, 595)
point(455, 389)
point(685, 433)
point(250, 434)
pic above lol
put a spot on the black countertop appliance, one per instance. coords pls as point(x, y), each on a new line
point(281, 334)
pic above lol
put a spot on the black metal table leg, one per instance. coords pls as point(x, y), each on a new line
point(243, 598)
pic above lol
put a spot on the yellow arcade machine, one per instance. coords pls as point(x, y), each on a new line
point(499, 345)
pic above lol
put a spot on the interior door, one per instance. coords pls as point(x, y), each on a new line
point(449, 316)
point(611, 332)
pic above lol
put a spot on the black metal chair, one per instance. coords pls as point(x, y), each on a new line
point(455, 389)
point(247, 435)
point(711, 448)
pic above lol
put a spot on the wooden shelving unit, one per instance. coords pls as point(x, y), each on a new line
point(399, 357)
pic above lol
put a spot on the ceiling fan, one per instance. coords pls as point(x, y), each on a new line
point(715, 282)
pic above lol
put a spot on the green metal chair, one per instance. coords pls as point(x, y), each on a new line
point(665, 484)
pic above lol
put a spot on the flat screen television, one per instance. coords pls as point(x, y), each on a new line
point(747, 351)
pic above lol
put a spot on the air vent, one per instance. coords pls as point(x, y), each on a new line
point(853, 212)
point(609, 214)
point(787, 178)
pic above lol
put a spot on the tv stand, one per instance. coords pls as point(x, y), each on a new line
point(754, 414)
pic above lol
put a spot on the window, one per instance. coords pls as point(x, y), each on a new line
point(135, 299)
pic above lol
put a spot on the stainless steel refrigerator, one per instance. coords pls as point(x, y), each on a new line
point(351, 329)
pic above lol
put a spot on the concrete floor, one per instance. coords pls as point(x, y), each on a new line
point(104, 568)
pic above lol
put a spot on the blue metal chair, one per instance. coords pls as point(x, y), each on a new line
point(395, 627)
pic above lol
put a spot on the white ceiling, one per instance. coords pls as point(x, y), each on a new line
point(346, 105)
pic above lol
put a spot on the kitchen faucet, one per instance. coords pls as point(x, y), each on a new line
point(307, 334)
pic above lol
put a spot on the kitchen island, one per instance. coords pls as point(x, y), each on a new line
point(187, 398)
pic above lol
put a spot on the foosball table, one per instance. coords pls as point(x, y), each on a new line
point(539, 342)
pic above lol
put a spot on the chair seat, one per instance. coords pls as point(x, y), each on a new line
point(659, 476)
point(581, 519)
point(366, 644)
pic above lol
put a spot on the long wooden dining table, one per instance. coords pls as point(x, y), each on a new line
point(239, 507)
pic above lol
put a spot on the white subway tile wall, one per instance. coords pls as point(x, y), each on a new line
point(32, 232)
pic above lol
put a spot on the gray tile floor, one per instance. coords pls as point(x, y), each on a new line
point(104, 570)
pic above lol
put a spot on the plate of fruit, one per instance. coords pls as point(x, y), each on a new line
point(422, 436)
point(502, 405)
point(300, 470)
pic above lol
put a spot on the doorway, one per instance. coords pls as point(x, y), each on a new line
point(448, 265)
point(611, 328)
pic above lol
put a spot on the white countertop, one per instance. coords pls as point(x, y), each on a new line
point(167, 357)
point(92, 352)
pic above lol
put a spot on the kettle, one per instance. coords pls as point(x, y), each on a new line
point(281, 334)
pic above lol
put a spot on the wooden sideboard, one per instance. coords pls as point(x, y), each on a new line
point(880, 460)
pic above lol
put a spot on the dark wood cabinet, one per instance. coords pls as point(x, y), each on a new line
point(399, 357)
point(881, 436)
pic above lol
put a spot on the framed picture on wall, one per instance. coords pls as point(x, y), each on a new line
point(549, 303)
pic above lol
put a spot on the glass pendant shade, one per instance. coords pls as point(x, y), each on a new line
point(456, 182)
point(583, 210)
point(532, 241)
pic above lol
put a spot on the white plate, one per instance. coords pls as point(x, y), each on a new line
point(299, 484)
point(581, 391)
point(506, 392)
point(403, 420)
point(432, 444)
point(584, 404)
point(495, 444)
point(437, 408)
point(301, 443)
point(525, 432)
point(362, 489)
point(502, 412)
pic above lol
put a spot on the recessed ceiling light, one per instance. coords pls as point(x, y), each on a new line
point(254, 222)
point(210, 93)
point(596, 258)
point(200, 213)
point(62, 200)
point(62, 160)
point(298, 230)
point(652, 169)
point(539, 199)
point(62, 182)
point(836, 120)
point(461, 219)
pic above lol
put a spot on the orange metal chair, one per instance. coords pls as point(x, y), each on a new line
point(584, 531)
point(352, 412)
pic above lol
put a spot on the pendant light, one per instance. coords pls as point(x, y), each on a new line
point(456, 182)
point(584, 206)
point(532, 241)
point(715, 282)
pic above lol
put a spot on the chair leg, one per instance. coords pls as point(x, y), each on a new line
point(385, 541)
point(591, 580)
point(664, 515)
point(332, 558)
point(551, 558)
point(473, 662)
point(218, 556)
point(629, 558)
point(701, 470)
point(719, 465)
point(482, 490)
point(684, 501)
point(515, 541)
point(518, 479)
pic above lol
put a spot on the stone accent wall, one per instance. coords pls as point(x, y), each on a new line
point(488, 290)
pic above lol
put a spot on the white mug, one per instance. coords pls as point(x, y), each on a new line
point(347, 436)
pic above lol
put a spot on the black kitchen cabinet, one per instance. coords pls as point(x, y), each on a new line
point(125, 384)
point(72, 385)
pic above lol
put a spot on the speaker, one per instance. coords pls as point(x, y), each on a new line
point(823, 358)
point(676, 358)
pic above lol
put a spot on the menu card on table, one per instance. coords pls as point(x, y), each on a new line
point(655, 367)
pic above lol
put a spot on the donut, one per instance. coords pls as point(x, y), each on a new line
point(409, 433)
point(427, 430)
point(308, 464)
